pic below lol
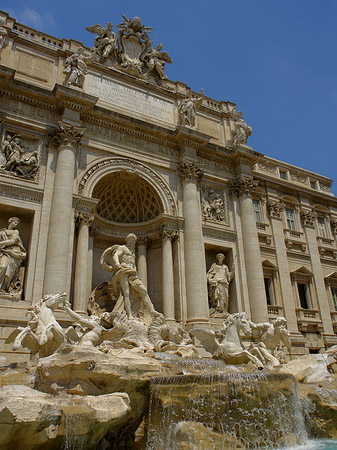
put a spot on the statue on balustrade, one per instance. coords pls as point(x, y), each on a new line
point(187, 109)
point(12, 254)
point(105, 43)
point(75, 68)
point(156, 60)
point(242, 130)
point(15, 160)
point(218, 279)
point(129, 291)
point(3, 34)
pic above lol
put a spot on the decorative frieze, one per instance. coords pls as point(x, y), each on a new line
point(275, 209)
point(190, 171)
point(243, 186)
point(21, 193)
point(66, 135)
point(308, 218)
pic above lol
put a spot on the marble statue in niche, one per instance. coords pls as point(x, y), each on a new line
point(15, 160)
point(187, 109)
point(12, 254)
point(218, 280)
point(213, 205)
point(130, 293)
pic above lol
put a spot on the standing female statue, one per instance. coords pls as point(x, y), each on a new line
point(12, 253)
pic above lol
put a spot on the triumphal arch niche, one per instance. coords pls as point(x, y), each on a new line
point(97, 143)
point(133, 198)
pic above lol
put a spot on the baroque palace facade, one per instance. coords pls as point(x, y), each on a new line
point(98, 143)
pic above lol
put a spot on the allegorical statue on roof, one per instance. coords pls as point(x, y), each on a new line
point(187, 109)
point(242, 130)
point(105, 42)
point(75, 68)
point(132, 50)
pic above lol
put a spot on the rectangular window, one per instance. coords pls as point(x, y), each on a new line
point(334, 297)
point(283, 175)
point(268, 285)
point(303, 292)
point(313, 184)
point(290, 216)
point(321, 227)
point(257, 210)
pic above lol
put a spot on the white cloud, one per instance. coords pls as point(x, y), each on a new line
point(34, 19)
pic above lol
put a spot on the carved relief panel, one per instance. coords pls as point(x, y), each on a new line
point(214, 205)
point(19, 155)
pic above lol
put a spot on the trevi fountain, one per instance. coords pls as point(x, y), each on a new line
point(114, 372)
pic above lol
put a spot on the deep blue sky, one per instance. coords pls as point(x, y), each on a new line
point(276, 59)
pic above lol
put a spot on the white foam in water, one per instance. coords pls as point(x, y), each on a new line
point(262, 411)
point(314, 444)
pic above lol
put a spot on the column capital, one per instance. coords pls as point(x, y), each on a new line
point(275, 209)
point(243, 186)
point(144, 241)
point(167, 233)
point(308, 218)
point(66, 135)
point(190, 171)
point(81, 217)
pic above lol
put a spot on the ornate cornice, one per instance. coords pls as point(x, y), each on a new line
point(66, 135)
point(243, 186)
point(275, 209)
point(308, 218)
point(190, 171)
point(84, 205)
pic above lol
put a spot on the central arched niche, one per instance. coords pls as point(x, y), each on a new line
point(125, 197)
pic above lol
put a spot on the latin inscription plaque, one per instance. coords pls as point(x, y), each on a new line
point(129, 98)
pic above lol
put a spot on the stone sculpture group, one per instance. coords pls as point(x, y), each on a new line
point(133, 322)
point(14, 159)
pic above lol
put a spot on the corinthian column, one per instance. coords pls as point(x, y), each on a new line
point(57, 256)
point(195, 265)
point(141, 259)
point(243, 187)
point(168, 278)
point(81, 265)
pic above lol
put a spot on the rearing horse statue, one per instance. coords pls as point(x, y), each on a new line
point(230, 349)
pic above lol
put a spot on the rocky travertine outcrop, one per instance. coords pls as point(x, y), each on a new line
point(310, 368)
point(32, 420)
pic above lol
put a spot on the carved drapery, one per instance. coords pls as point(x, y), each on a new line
point(190, 171)
point(243, 186)
point(275, 209)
